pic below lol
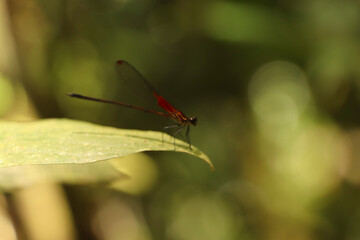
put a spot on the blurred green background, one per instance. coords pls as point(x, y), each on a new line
point(276, 89)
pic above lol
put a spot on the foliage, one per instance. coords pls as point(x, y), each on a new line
point(63, 141)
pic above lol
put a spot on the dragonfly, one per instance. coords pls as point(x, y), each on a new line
point(182, 121)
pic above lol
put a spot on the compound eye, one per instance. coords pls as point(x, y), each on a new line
point(193, 121)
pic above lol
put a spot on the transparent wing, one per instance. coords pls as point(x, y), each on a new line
point(128, 73)
point(134, 79)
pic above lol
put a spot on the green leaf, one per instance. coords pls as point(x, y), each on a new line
point(60, 141)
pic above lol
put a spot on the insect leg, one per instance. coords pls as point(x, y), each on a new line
point(187, 135)
point(168, 127)
point(177, 132)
